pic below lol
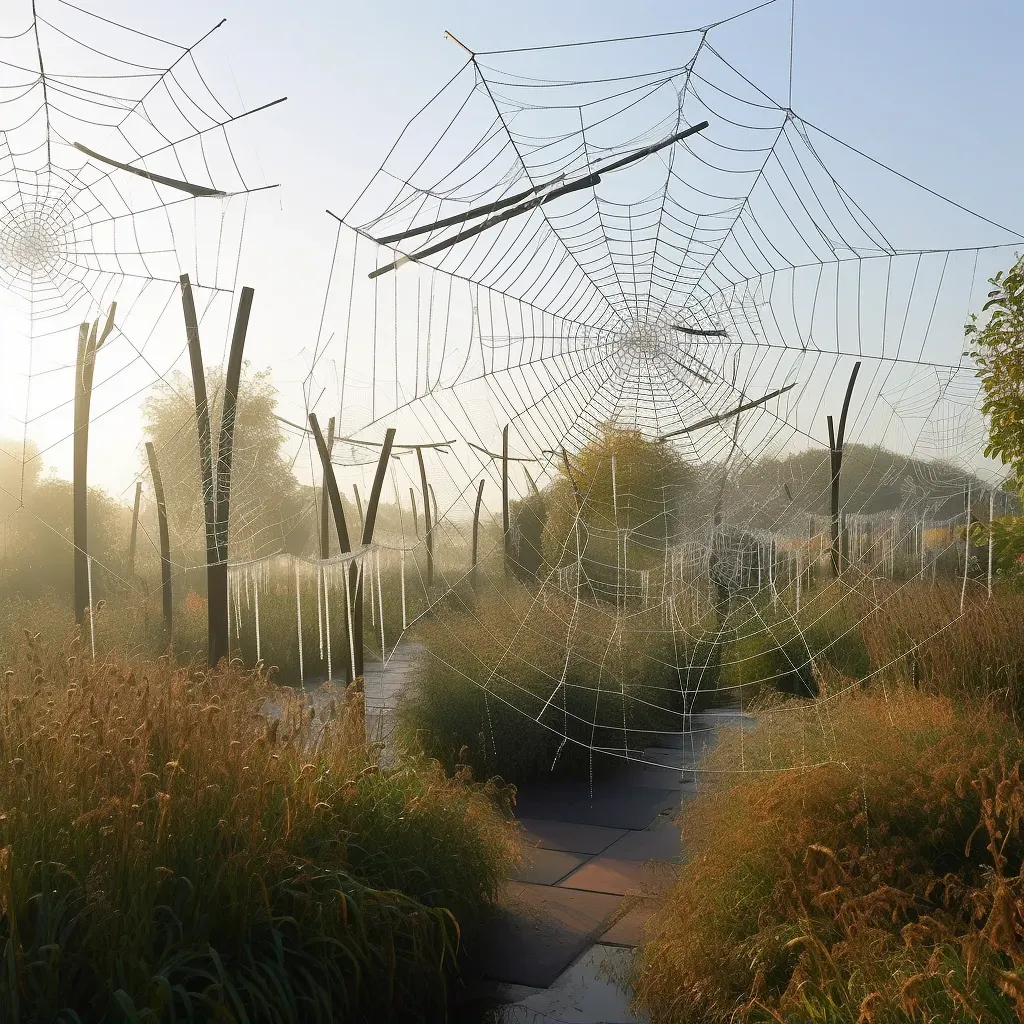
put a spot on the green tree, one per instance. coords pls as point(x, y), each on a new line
point(270, 510)
point(998, 349)
point(651, 484)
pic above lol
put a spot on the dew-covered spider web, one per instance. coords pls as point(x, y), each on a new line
point(667, 251)
point(119, 172)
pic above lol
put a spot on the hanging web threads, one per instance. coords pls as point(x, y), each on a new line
point(405, 622)
point(298, 622)
point(320, 606)
point(327, 622)
point(380, 611)
point(92, 622)
point(348, 617)
point(256, 602)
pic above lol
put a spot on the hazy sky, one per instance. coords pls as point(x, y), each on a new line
point(928, 87)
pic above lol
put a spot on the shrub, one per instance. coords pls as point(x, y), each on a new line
point(529, 684)
point(856, 887)
point(168, 853)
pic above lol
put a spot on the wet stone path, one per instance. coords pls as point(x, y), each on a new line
point(563, 936)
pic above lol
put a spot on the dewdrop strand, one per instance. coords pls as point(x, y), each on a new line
point(380, 610)
point(256, 602)
point(298, 621)
point(92, 622)
point(324, 575)
point(320, 605)
point(348, 616)
point(405, 623)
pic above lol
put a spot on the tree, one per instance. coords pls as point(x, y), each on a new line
point(40, 541)
point(650, 484)
point(998, 349)
point(270, 510)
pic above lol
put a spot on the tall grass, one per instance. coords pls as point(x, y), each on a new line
point(854, 862)
point(167, 853)
point(520, 684)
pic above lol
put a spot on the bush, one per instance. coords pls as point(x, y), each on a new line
point(168, 853)
point(864, 886)
point(529, 685)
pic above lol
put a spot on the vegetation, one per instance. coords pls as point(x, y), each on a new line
point(168, 852)
point(882, 884)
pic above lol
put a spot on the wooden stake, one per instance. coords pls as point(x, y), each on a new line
point(165, 541)
point(476, 532)
point(135, 530)
point(427, 532)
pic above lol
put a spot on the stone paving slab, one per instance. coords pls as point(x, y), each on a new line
point(615, 805)
point(569, 836)
point(591, 990)
point(628, 930)
point(618, 876)
point(547, 867)
point(539, 932)
point(651, 844)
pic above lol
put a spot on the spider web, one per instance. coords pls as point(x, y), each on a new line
point(118, 173)
point(677, 252)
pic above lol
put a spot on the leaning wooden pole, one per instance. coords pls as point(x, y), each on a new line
point(835, 441)
point(325, 506)
point(331, 483)
point(89, 342)
point(135, 530)
point(416, 515)
point(218, 621)
point(165, 540)
point(206, 471)
point(356, 577)
point(427, 532)
point(359, 505)
point(476, 533)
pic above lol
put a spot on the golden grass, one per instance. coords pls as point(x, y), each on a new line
point(168, 853)
point(880, 885)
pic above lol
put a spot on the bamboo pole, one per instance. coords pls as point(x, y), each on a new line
point(427, 532)
point(476, 532)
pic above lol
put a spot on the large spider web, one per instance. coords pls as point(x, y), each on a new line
point(509, 264)
point(118, 173)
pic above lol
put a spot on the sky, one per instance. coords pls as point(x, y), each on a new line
point(927, 87)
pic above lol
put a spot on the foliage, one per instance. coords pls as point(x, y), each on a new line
point(882, 884)
point(39, 539)
point(998, 349)
point(269, 510)
point(501, 687)
point(528, 516)
point(169, 853)
point(651, 482)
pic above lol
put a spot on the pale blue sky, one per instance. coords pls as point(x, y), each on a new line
point(927, 87)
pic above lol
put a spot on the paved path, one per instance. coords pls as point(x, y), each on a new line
point(571, 917)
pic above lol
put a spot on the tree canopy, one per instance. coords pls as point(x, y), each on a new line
point(998, 349)
point(651, 483)
point(269, 510)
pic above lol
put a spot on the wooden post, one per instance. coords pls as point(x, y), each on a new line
point(356, 577)
point(331, 483)
point(359, 505)
point(135, 530)
point(325, 533)
point(204, 432)
point(165, 541)
point(476, 532)
point(218, 622)
point(835, 441)
point(415, 514)
point(427, 532)
point(89, 342)
point(505, 526)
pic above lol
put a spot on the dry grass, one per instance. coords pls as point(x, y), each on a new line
point(523, 684)
point(167, 853)
point(881, 885)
